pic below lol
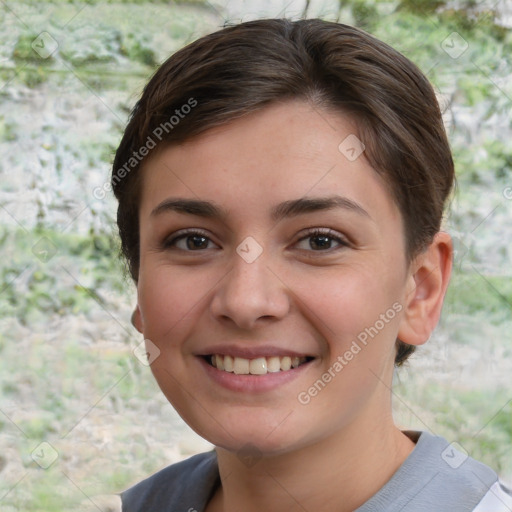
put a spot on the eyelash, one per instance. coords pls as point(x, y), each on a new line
point(311, 233)
point(169, 242)
point(328, 233)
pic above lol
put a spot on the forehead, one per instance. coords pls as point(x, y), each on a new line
point(283, 152)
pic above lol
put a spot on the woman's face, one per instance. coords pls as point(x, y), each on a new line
point(264, 243)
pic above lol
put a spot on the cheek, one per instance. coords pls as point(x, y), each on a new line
point(346, 302)
point(356, 315)
point(169, 299)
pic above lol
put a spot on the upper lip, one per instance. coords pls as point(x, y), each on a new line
point(251, 352)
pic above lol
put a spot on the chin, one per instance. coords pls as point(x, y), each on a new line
point(254, 438)
point(256, 446)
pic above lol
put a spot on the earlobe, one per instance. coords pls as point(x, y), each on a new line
point(137, 319)
point(428, 281)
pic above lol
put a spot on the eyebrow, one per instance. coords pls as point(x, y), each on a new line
point(292, 208)
point(197, 207)
point(315, 204)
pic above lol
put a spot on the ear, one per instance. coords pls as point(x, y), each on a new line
point(427, 283)
point(137, 320)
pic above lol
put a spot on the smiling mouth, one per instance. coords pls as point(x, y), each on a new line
point(258, 366)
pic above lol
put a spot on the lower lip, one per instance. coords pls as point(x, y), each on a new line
point(253, 383)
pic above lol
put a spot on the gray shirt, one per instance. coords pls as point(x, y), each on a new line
point(436, 477)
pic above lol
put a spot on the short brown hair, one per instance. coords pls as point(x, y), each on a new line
point(245, 67)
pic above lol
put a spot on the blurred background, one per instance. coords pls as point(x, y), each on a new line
point(80, 415)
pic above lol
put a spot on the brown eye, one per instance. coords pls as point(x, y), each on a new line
point(196, 242)
point(190, 241)
point(321, 241)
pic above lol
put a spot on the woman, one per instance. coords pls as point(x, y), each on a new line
point(281, 187)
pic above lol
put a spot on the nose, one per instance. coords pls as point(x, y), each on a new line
point(250, 294)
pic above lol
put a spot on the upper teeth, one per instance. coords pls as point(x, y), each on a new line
point(258, 366)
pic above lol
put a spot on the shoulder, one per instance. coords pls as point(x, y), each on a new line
point(437, 475)
point(465, 479)
point(184, 485)
point(497, 499)
point(437, 456)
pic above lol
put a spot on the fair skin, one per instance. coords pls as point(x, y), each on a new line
point(306, 295)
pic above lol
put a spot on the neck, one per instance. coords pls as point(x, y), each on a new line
point(340, 473)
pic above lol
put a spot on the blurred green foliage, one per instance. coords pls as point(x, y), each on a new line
point(118, 52)
point(43, 293)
